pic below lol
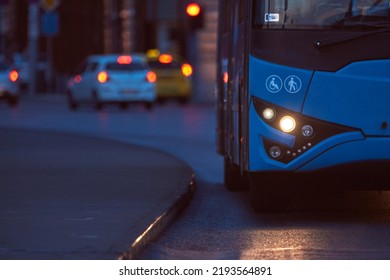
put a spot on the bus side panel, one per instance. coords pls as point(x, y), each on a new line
point(231, 81)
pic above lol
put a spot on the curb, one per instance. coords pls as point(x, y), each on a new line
point(154, 231)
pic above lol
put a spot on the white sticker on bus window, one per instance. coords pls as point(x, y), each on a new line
point(271, 17)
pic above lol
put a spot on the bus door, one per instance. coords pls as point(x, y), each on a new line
point(236, 81)
point(222, 75)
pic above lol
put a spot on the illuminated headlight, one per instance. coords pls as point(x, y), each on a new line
point(287, 124)
point(268, 114)
point(275, 152)
point(307, 131)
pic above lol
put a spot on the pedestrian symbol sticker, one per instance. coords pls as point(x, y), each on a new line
point(292, 84)
point(274, 83)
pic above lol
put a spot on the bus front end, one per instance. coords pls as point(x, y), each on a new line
point(319, 95)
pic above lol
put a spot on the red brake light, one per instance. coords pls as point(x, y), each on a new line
point(13, 76)
point(102, 77)
point(186, 69)
point(124, 59)
point(165, 58)
point(77, 79)
point(151, 77)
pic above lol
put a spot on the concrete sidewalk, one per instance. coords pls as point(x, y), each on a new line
point(66, 196)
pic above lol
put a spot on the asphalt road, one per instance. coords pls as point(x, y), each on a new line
point(69, 196)
point(219, 224)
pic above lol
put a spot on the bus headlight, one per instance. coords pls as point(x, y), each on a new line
point(269, 114)
point(287, 124)
point(307, 131)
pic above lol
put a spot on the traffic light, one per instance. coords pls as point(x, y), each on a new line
point(195, 16)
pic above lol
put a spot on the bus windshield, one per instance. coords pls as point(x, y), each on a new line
point(322, 14)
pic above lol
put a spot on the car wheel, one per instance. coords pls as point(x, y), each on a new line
point(161, 101)
point(149, 105)
point(73, 105)
point(123, 105)
point(234, 180)
point(96, 101)
point(13, 101)
point(184, 101)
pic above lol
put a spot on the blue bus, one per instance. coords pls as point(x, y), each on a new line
point(303, 91)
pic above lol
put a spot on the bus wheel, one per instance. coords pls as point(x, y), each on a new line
point(267, 194)
point(234, 180)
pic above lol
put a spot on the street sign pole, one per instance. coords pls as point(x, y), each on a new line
point(33, 34)
point(49, 28)
point(3, 25)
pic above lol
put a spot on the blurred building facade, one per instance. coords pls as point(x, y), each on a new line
point(88, 27)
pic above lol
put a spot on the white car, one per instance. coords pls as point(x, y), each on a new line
point(119, 79)
point(9, 88)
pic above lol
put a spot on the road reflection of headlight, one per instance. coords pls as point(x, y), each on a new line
point(287, 124)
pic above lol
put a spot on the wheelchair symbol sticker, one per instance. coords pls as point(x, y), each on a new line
point(274, 84)
point(292, 84)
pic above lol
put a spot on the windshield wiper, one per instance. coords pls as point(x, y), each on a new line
point(320, 43)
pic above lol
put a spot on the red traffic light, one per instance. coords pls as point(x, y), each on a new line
point(193, 9)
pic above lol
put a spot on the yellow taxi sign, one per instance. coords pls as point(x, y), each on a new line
point(153, 53)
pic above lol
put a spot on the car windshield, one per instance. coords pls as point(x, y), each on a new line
point(134, 66)
point(325, 14)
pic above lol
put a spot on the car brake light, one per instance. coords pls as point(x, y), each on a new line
point(103, 77)
point(13, 76)
point(186, 69)
point(165, 58)
point(151, 77)
point(77, 79)
point(124, 59)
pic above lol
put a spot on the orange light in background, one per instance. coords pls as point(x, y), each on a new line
point(77, 79)
point(102, 77)
point(193, 9)
point(186, 69)
point(225, 77)
point(165, 58)
point(13, 76)
point(124, 59)
point(151, 77)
